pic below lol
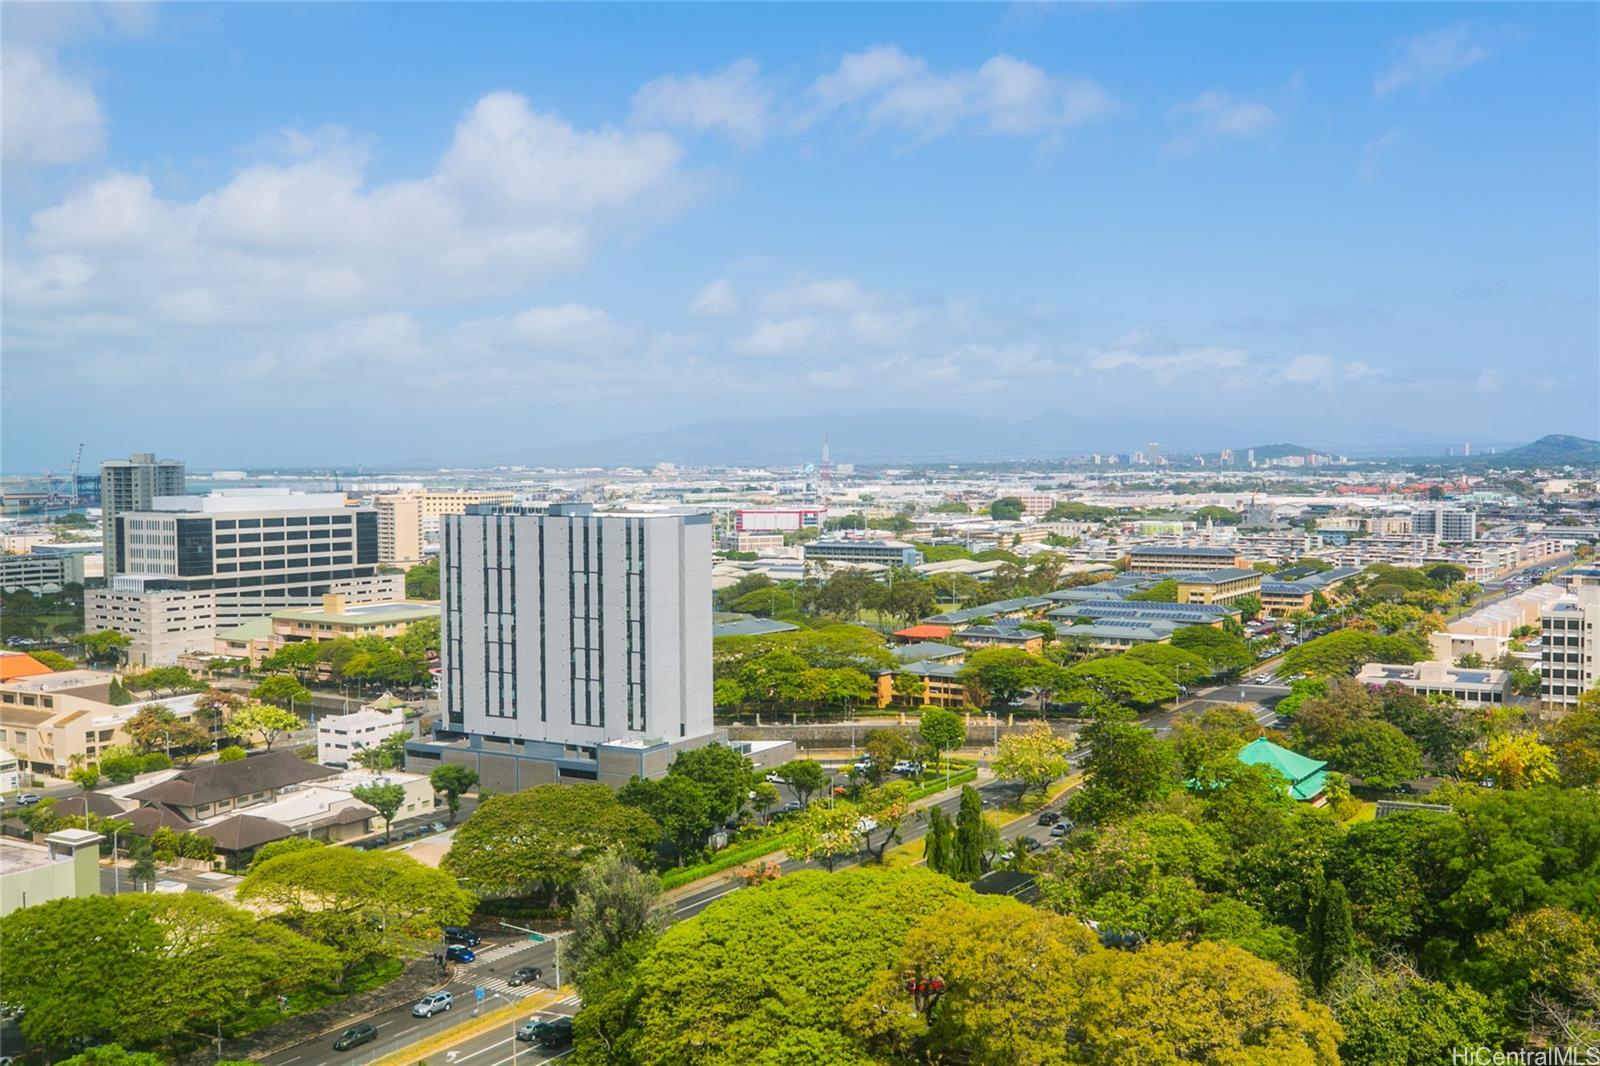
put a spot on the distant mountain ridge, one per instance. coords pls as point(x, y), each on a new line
point(1552, 448)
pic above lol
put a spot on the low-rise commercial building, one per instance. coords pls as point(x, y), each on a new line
point(51, 722)
point(340, 736)
point(65, 866)
point(894, 553)
point(1441, 679)
point(336, 619)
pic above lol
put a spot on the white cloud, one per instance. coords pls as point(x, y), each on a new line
point(733, 101)
point(1426, 58)
point(828, 294)
point(517, 196)
point(1216, 114)
point(47, 117)
point(1323, 370)
point(1188, 359)
point(715, 300)
point(786, 336)
point(1004, 96)
point(566, 326)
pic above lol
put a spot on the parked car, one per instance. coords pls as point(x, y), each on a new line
point(365, 1033)
point(436, 827)
point(908, 766)
point(431, 1004)
point(460, 953)
point(862, 765)
point(775, 778)
point(1049, 817)
point(792, 807)
point(460, 934)
point(1027, 843)
point(524, 975)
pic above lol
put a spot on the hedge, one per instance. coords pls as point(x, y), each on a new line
point(728, 857)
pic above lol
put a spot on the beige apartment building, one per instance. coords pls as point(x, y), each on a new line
point(51, 722)
point(409, 520)
point(1218, 586)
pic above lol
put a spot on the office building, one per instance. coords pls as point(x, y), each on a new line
point(132, 484)
point(1217, 586)
point(399, 528)
point(576, 645)
point(1445, 525)
point(193, 565)
point(340, 736)
point(1570, 653)
point(1165, 558)
point(857, 552)
point(435, 506)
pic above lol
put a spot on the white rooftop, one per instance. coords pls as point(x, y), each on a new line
point(225, 501)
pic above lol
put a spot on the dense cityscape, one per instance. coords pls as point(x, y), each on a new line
point(799, 535)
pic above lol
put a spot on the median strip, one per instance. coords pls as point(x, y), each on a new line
point(539, 1001)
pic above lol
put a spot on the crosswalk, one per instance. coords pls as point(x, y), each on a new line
point(505, 950)
point(508, 990)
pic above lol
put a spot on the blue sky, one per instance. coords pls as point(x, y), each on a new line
point(256, 234)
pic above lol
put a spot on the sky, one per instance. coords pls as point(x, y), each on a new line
point(273, 234)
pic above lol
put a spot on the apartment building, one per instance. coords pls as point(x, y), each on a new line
point(436, 505)
point(50, 720)
point(399, 528)
point(1167, 558)
point(778, 519)
point(1445, 524)
point(576, 645)
point(193, 565)
point(336, 619)
point(132, 484)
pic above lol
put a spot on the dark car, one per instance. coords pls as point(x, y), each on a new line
point(459, 953)
point(524, 975)
point(1048, 817)
point(460, 934)
point(556, 1034)
point(364, 1033)
point(792, 807)
point(1028, 844)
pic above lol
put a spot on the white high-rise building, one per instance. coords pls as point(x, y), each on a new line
point(576, 646)
point(1445, 524)
point(1569, 659)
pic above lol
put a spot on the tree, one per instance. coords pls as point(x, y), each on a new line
point(281, 689)
point(154, 726)
point(1575, 742)
point(422, 582)
point(451, 782)
point(105, 646)
point(966, 852)
point(1006, 509)
point(364, 905)
point(1117, 678)
point(1341, 653)
point(53, 659)
point(387, 754)
point(1036, 757)
point(884, 810)
point(766, 798)
point(1331, 936)
point(112, 1055)
point(1226, 653)
point(614, 903)
point(1249, 606)
point(909, 688)
point(1511, 761)
point(1126, 768)
point(168, 679)
point(1002, 673)
point(101, 967)
point(939, 841)
point(385, 798)
point(684, 808)
point(1180, 665)
point(264, 721)
point(536, 841)
point(764, 975)
point(942, 730)
point(827, 833)
point(119, 764)
point(884, 747)
point(271, 850)
point(1391, 1016)
point(117, 695)
point(1377, 752)
point(723, 773)
point(804, 777)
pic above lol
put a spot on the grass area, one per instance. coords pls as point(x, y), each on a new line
point(267, 1013)
point(907, 854)
point(937, 783)
point(1368, 811)
point(1033, 801)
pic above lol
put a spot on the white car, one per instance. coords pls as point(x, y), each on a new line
point(1264, 679)
point(431, 1004)
point(906, 766)
point(776, 778)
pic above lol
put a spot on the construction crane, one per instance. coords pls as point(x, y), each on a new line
point(64, 493)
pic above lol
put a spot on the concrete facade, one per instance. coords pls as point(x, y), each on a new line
point(66, 866)
point(132, 484)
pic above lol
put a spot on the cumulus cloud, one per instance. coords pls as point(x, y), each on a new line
point(787, 336)
point(732, 101)
point(1003, 96)
point(715, 300)
point(1427, 58)
point(1217, 115)
point(1188, 359)
point(1323, 370)
point(47, 117)
point(518, 195)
